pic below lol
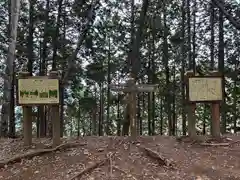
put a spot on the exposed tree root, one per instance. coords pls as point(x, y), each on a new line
point(118, 169)
point(155, 155)
point(34, 153)
point(220, 144)
point(215, 144)
point(90, 168)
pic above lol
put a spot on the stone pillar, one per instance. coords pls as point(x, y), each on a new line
point(55, 117)
point(27, 118)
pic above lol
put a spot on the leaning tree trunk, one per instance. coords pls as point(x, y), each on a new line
point(6, 108)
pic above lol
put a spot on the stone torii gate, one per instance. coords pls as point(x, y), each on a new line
point(132, 89)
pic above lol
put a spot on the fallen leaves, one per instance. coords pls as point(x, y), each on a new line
point(34, 153)
point(119, 158)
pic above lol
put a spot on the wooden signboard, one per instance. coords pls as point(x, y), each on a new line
point(204, 89)
point(37, 90)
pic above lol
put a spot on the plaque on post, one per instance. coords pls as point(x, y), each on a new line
point(37, 90)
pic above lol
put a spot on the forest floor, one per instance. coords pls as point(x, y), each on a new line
point(120, 158)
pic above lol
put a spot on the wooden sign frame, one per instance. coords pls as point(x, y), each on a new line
point(204, 77)
point(36, 104)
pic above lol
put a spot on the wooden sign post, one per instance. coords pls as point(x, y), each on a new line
point(132, 88)
point(205, 89)
point(38, 90)
point(27, 118)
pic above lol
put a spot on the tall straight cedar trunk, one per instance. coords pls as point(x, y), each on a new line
point(183, 66)
point(174, 116)
point(212, 17)
point(4, 114)
point(153, 67)
point(30, 36)
point(139, 118)
point(191, 67)
point(221, 69)
point(41, 109)
point(167, 73)
point(54, 61)
point(101, 109)
point(95, 114)
point(235, 90)
point(108, 89)
point(133, 56)
point(7, 107)
point(63, 64)
point(150, 118)
point(56, 35)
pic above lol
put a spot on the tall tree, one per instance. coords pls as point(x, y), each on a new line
point(221, 68)
point(7, 110)
point(166, 66)
point(183, 113)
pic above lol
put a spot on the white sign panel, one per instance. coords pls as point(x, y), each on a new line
point(38, 91)
point(205, 89)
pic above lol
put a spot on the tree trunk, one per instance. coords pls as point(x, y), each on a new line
point(161, 115)
point(101, 104)
point(191, 107)
point(79, 118)
point(43, 122)
point(174, 118)
point(221, 70)
point(134, 53)
point(167, 73)
point(212, 17)
point(108, 90)
point(141, 129)
point(119, 122)
point(149, 98)
point(183, 100)
point(56, 35)
point(138, 113)
point(8, 106)
point(153, 67)
point(235, 90)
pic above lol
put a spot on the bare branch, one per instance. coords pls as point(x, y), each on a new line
point(220, 5)
point(81, 37)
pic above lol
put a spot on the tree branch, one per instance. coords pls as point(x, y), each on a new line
point(81, 38)
point(219, 4)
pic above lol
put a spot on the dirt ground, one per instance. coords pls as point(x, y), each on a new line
point(120, 158)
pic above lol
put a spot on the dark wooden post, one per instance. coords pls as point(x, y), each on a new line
point(191, 111)
point(132, 89)
point(27, 118)
point(216, 120)
point(215, 111)
point(55, 117)
point(132, 100)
